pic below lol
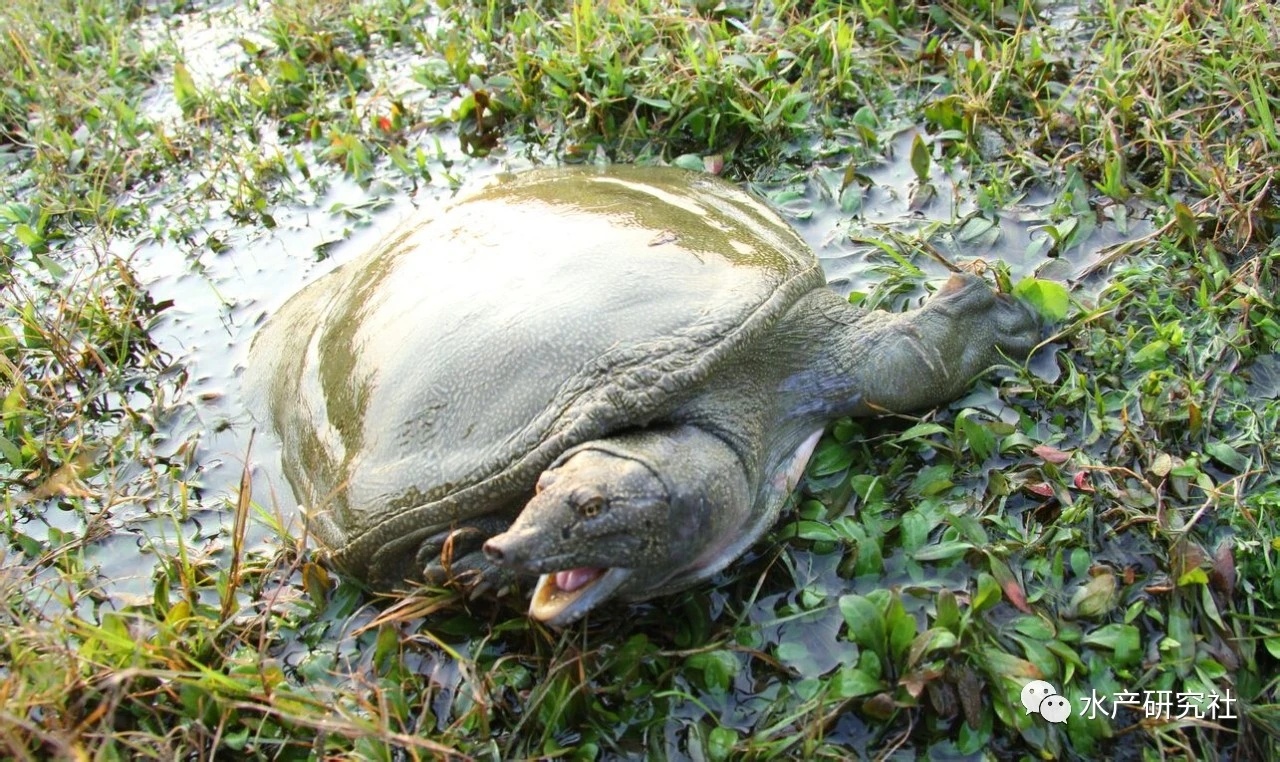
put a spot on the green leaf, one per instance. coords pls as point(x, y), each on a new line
point(792, 653)
point(850, 682)
point(935, 639)
point(1154, 353)
point(28, 545)
point(1123, 639)
point(1033, 627)
point(11, 453)
point(920, 431)
point(969, 528)
point(1068, 655)
point(718, 669)
point(870, 555)
point(184, 89)
point(1196, 576)
point(1038, 654)
point(51, 267)
point(916, 527)
point(974, 228)
point(290, 70)
point(920, 158)
point(14, 213)
point(932, 480)
point(28, 236)
point(866, 623)
point(813, 530)
point(997, 662)
point(980, 439)
point(720, 742)
point(988, 593)
point(948, 614)
point(1063, 230)
point(690, 161)
point(1210, 607)
point(1227, 456)
point(1095, 598)
point(868, 487)
point(386, 647)
point(661, 104)
point(902, 629)
point(1187, 221)
point(236, 739)
point(1049, 298)
point(942, 551)
point(831, 458)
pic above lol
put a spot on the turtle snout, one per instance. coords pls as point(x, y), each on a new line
point(1018, 327)
point(496, 549)
point(511, 548)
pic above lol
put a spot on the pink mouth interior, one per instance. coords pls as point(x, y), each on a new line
point(572, 579)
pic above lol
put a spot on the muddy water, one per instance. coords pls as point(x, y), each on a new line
point(842, 223)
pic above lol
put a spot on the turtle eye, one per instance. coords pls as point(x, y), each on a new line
point(590, 508)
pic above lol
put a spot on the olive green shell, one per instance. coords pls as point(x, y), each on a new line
point(432, 379)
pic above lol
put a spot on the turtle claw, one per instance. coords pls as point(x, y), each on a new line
point(454, 558)
point(471, 572)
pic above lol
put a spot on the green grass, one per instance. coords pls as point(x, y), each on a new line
point(1114, 529)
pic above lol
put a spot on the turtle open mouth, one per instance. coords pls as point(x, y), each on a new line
point(573, 579)
point(565, 596)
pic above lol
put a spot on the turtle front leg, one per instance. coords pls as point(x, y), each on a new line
point(403, 557)
point(455, 557)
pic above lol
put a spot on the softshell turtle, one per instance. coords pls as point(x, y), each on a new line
point(608, 377)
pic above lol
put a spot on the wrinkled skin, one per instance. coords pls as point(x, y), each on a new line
point(610, 378)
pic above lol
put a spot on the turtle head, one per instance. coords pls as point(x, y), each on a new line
point(601, 526)
point(914, 360)
point(979, 324)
